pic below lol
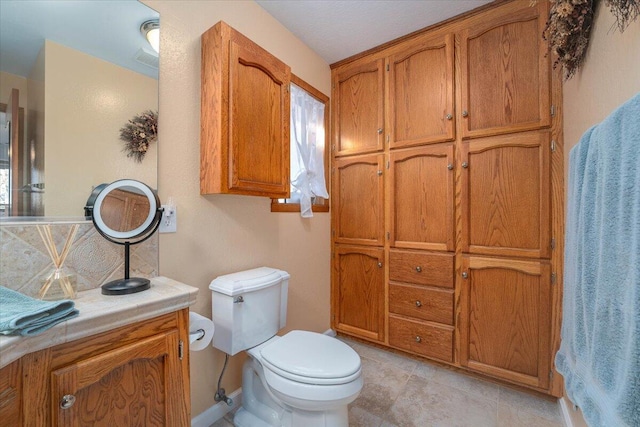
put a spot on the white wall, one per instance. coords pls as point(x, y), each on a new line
point(220, 234)
point(610, 76)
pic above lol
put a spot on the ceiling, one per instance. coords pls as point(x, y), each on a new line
point(338, 29)
point(107, 29)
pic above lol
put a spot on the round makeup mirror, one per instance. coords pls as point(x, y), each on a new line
point(125, 212)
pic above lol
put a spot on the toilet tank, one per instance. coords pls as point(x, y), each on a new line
point(248, 307)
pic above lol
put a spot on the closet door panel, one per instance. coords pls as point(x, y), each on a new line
point(505, 72)
point(506, 195)
point(421, 93)
point(421, 183)
point(358, 94)
point(358, 200)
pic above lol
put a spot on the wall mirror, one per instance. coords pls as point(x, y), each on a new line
point(125, 212)
point(90, 65)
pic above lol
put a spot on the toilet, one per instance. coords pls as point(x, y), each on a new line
point(299, 379)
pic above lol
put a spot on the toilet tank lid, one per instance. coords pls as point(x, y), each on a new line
point(249, 280)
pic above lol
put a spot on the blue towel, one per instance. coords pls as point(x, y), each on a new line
point(22, 315)
point(599, 356)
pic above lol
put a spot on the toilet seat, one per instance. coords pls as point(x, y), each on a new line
point(311, 358)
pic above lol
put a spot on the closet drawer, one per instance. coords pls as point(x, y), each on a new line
point(425, 339)
point(424, 268)
point(423, 303)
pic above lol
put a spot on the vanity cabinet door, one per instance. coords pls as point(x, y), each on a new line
point(135, 375)
point(10, 389)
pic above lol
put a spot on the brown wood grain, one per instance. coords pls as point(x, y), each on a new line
point(425, 268)
point(421, 206)
point(421, 93)
point(359, 290)
point(11, 394)
point(423, 338)
point(358, 109)
point(245, 115)
point(420, 302)
point(506, 195)
point(358, 205)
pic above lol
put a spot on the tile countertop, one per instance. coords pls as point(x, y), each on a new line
point(100, 313)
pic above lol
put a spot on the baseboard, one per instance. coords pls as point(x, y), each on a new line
point(565, 407)
point(217, 411)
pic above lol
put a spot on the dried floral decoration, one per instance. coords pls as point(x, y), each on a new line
point(625, 11)
point(141, 131)
point(567, 32)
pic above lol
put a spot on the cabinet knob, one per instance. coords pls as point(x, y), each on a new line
point(419, 269)
point(418, 339)
point(379, 173)
point(418, 303)
point(449, 116)
point(67, 401)
point(465, 275)
point(465, 113)
point(379, 265)
point(380, 131)
point(465, 165)
point(450, 166)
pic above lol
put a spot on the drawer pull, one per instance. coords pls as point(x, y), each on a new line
point(379, 265)
point(419, 269)
point(418, 303)
point(418, 339)
point(67, 401)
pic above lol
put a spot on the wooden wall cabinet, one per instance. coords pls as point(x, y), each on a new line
point(472, 168)
point(245, 111)
point(134, 375)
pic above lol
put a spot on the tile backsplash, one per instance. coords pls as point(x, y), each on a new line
point(25, 262)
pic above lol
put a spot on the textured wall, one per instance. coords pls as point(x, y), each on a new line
point(220, 234)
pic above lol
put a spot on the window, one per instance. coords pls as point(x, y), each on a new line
point(309, 151)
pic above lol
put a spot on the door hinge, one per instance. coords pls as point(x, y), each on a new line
point(550, 375)
point(388, 164)
point(387, 67)
point(333, 232)
point(388, 236)
point(553, 278)
point(553, 145)
point(553, 243)
point(387, 139)
point(553, 110)
point(180, 349)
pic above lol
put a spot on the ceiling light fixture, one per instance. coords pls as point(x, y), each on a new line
point(151, 31)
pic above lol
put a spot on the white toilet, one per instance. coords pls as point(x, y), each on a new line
point(300, 379)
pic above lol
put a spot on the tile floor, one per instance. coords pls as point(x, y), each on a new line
point(400, 391)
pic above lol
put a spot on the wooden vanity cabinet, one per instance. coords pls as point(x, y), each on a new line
point(245, 112)
point(133, 375)
point(10, 394)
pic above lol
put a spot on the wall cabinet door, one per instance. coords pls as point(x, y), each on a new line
point(421, 182)
point(358, 109)
point(244, 117)
point(137, 384)
point(506, 195)
point(358, 291)
point(505, 72)
point(421, 93)
point(358, 200)
point(505, 322)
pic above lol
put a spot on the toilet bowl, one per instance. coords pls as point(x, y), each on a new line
point(299, 379)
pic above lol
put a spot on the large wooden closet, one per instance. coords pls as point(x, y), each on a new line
point(447, 190)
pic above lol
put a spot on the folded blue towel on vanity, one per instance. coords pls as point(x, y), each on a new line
point(23, 315)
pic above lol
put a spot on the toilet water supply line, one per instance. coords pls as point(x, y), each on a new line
point(220, 395)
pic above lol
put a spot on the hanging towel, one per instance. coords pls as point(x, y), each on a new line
point(23, 315)
point(599, 356)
